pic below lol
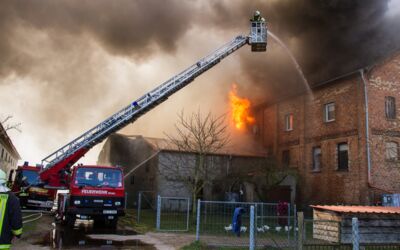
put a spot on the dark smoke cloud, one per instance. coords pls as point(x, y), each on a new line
point(125, 28)
point(58, 48)
point(328, 37)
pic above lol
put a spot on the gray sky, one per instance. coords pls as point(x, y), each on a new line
point(67, 65)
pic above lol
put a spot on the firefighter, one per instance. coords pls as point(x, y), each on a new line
point(257, 16)
point(10, 214)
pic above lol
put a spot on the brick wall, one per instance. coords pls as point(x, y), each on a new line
point(329, 185)
point(383, 81)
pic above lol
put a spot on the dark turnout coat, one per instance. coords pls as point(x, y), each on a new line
point(10, 219)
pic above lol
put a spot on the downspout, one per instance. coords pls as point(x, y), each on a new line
point(367, 127)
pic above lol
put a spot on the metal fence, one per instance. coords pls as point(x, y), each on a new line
point(261, 224)
point(146, 203)
point(330, 234)
point(173, 213)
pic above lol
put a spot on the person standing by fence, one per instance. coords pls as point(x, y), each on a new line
point(282, 212)
point(10, 214)
point(237, 220)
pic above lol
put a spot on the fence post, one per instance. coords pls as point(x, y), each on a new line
point(355, 234)
point(300, 224)
point(139, 206)
point(158, 212)
point(251, 245)
point(198, 220)
point(294, 222)
point(288, 223)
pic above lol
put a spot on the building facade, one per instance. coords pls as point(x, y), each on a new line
point(155, 167)
point(342, 137)
point(9, 156)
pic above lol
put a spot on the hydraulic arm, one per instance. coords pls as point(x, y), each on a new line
point(66, 156)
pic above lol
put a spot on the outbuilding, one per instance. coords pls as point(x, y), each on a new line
point(376, 224)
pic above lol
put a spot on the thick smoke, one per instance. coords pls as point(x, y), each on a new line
point(58, 57)
point(328, 38)
point(124, 28)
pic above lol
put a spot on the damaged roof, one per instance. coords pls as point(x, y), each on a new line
point(234, 150)
point(359, 209)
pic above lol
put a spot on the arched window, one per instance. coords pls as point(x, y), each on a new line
point(392, 151)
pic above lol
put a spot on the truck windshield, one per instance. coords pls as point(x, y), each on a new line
point(98, 177)
point(32, 177)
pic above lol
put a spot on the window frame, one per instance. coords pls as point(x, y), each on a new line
point(289, 122)
point(132, 181)
point(339, 167)
point(326, 112)
point(388, 108)
point(313, 167)
point(397, 151)
point(286, 158)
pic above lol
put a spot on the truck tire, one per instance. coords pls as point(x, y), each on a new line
point(70, 220)
point(112, 223)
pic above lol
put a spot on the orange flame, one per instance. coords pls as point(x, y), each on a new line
point(240, 109)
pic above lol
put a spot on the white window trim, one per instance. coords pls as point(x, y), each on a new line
point(326, 111)
point(287, 122)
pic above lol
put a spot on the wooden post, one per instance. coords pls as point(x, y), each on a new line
point(300, 224)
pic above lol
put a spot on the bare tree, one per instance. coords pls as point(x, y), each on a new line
point(8, 125)
point(197, 138)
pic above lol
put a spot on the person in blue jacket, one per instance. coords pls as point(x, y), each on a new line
point(237, 220)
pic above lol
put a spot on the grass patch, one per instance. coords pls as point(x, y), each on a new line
point(196, 245)
point(147, 220)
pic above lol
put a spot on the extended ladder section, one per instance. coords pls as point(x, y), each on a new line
point(69, 154)
point(142, 105)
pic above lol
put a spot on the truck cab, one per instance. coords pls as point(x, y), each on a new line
point(95, 193)
point(29, 189)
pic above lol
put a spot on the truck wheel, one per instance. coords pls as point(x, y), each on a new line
point(99, 222)
point(112, 223)
point(70, 220)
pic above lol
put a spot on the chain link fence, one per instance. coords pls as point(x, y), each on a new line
point(173, 214)
point(268, 227)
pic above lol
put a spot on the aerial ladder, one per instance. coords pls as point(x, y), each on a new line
point(56, 167)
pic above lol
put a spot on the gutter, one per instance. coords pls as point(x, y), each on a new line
point(367, 127)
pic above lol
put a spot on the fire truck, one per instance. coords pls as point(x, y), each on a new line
point(97, 192)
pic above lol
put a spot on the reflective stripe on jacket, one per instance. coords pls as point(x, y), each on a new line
point(10, 219)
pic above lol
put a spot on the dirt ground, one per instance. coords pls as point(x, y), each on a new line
point(45, 234)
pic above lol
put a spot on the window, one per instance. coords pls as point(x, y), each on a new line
point(288, 122)
point(329, 112)
point(285, 158)
point(316, 159)
point(392, 151)
point(2, 153)
point(132, 179)
point(390, 107)
point(343, 156)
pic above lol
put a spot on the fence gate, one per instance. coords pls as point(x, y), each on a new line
point(146, 205)
point(173, 213)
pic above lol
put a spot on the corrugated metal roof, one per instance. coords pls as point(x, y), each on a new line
point(360, 209)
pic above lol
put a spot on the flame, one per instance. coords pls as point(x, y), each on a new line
point(240, 109)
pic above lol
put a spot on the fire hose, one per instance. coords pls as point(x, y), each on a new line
point(35, 216)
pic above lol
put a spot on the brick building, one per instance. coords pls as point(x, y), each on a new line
point(8, 154)
point(344, 150)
